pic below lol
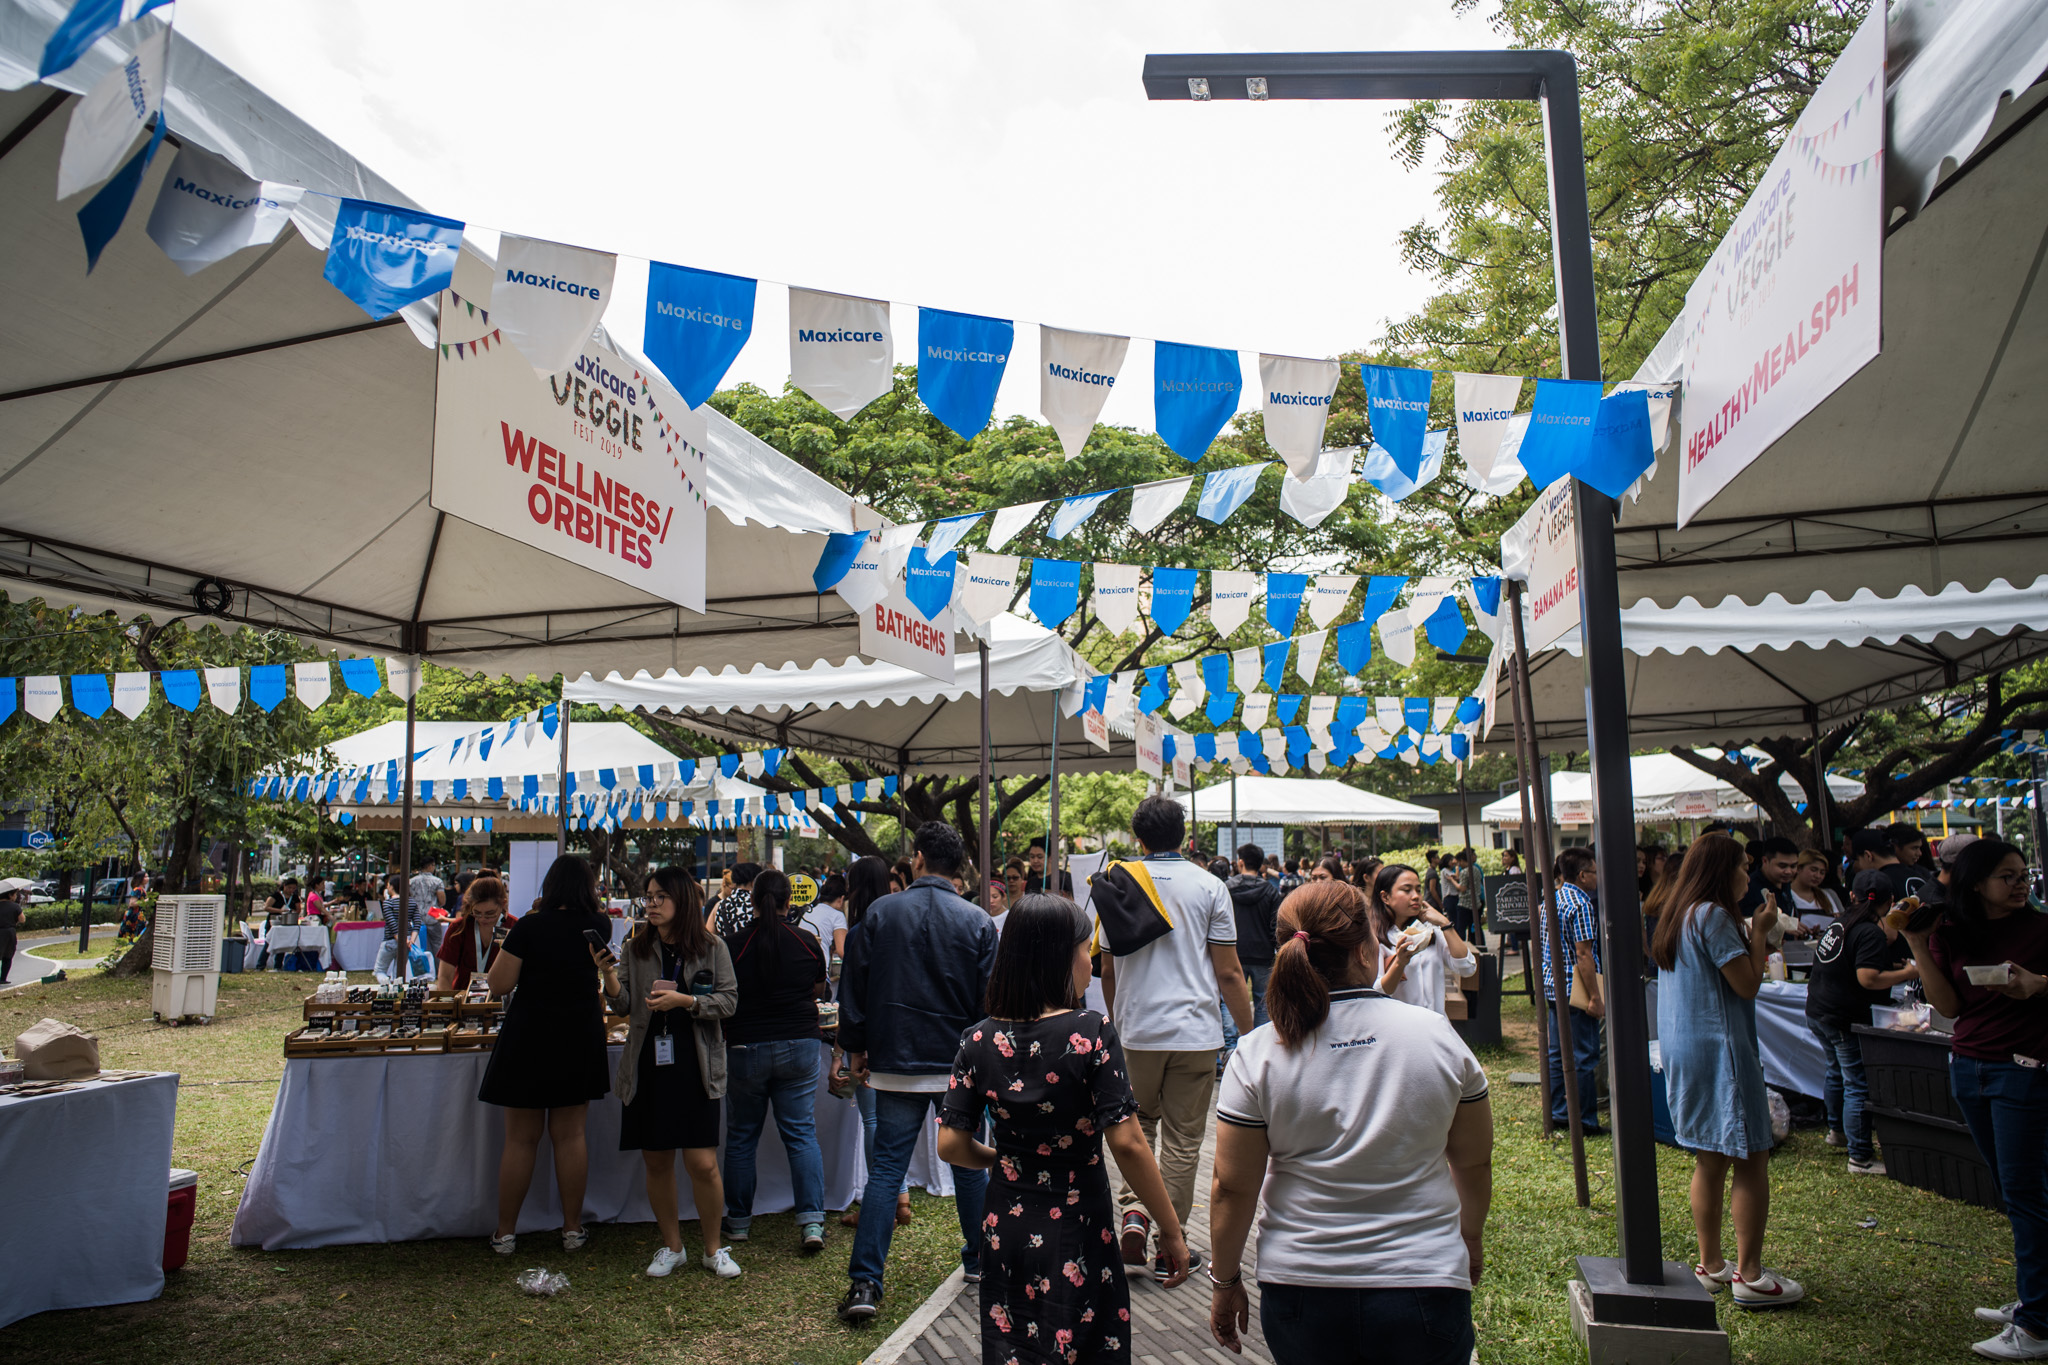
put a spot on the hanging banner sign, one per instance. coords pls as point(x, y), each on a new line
point(841, 351)
point(1076, 371)
point(1575, 812)
point(1553, 566)
point(1694, 805)
point(1095, 725)
point(960, 362)
point(1297, 406)
point(697, 322)
point(208, 210)
point(895, 632)
point(598, 466)
point(1150, 733)
point(1194, 392)
point(1787, 309)
point(105, 122)
point(384, 258)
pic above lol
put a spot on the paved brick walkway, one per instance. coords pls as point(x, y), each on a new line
point(1172, 1325)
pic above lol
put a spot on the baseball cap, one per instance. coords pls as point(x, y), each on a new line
point(1872, 885)
point(1952, 847)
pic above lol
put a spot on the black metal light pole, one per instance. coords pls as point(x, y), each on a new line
point(1551, 79)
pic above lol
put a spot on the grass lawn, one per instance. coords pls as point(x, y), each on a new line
point(1897, 1293)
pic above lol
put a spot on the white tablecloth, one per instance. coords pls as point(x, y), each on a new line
point(286, 938)
point(375, 1149)
point(87, 1175)
point(355, 949)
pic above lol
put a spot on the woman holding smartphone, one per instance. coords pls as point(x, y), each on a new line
point(677, 981)
point(549, 1060)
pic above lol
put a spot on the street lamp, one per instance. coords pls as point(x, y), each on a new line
point(1641, 1288)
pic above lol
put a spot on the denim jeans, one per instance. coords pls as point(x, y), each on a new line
point(1585, 1061)
point(1307, 1325)
point(864, 1101)
point(1847, 1090)
point(785, 1073)
point(2006, 1106)
point(1259, 972)
point(900, 1119)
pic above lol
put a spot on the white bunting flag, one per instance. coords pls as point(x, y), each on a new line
point(1257, 706)
point(753, 764)
point(1297, 405)
point(224, 688)
point(1428, 592)
point(208, 210)
point(985, 586)
point(1275, 743)
point(1321, 711)
point(1116, 702)
point(1010, 520)
point(131, 694)
point(1507, 468)
point(105, 122)
point(1372, 736)
point(1440, 712)
point(1230, 598)
point(402, 676)
point(1188, 689)
point(42, 696)
point(1152, 503)
point(1397, 637)
point(1486, 404)
point(548, 298)
point(313, 683)
point(1308, 655)
point(864, 584)
point(1116, 596)
point(1245, 665)
point(947, 534)
point(896, 546)
point(1489, 623)
point(841, 350)
point(1076, 371)
point(1388, 714)
point(1412, 755)
point(1317, 760)
point(1328, 595)
point(1310, 501)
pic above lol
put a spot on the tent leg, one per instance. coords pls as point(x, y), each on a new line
point(1529, 878)
point(399, 950)
point(986, 792)
point(1052, 817)
point(1231, 856)
point(562, 775)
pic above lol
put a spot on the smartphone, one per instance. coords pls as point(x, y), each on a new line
point(600, 941)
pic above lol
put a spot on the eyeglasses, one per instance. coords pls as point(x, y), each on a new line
point(2009, 878)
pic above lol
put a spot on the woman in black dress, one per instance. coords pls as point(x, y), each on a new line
point(549, 1061)
point(1051, 1079)
point(678, 979)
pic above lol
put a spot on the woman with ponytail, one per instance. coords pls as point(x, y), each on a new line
point(1362, 1125)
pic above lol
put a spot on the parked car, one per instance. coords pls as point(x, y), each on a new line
point(110, 891)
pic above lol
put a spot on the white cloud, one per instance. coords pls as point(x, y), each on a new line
point(991, 160)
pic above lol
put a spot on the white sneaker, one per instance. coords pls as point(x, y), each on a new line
point(1998, 1316)
point(1870, 1167)
point(1714, 1281)
point(723, 1265)
point(1768, 1290)
point(665, 1260)
point(509, 1243)
point(2014, 1343)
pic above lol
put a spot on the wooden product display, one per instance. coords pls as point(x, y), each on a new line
point(430, 1025)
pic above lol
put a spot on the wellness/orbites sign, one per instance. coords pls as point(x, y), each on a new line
point(588, 464)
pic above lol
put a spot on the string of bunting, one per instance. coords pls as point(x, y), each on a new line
point(547, 297)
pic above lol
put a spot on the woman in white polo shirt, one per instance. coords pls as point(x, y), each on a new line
point(1419, 947)
point(1362, 1125)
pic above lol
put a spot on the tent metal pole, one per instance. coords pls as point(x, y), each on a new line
point(986, 785)
point(1052, 815)
point(1530, 880)
point(1823, 818)
point(402, 965)
point(1231, 856)
point(562, 775)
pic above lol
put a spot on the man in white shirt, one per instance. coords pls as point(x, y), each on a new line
point(1162, 997)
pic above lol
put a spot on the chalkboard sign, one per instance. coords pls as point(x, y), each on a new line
point(1507, 904)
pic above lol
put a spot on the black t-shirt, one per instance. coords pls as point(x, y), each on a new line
point(1833, 994)
point(778, 967)
point(10, 916)
point(1910, 879)
point(556, 972)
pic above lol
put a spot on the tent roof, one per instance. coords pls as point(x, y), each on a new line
point(250, 424)
point(1732, 673)
point(1923, 468)
point(1657, 780)
point(1263, 800)
point(885, 715)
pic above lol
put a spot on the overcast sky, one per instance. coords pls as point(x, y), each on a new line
point(998, 159)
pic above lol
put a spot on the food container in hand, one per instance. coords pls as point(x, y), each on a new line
point(1997, 974)
point(828, 1014)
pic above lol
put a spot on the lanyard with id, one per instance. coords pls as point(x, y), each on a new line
point(664, 1041)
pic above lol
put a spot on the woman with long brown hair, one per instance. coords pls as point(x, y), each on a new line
point(677, 980)
point(1419, 947)
point(467, 947)
point(1710, 966)
point(1362, 1125)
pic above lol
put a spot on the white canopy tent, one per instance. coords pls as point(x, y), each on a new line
point(1658, 780)
point(887, 717)
point(249, 430)
point(1733, 672)
point(1263, 800)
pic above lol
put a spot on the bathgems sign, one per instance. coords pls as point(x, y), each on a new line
point(1787, 309)
point(599, 464)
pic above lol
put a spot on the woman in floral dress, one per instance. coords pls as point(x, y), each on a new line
point(1050, 1079)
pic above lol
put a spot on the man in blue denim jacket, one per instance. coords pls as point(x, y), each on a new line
point(916, 973)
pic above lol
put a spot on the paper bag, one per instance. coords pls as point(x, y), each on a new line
point(56, 1051)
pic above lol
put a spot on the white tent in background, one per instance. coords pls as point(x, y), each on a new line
point(1658, 780)
point(1263, 800)
point(887, 717)
point(269, 444)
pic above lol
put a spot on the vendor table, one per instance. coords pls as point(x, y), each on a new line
point(87, 1184)
point(1791, 1054)
point(356, 943)
point(287, 938)
point(394, 1149)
